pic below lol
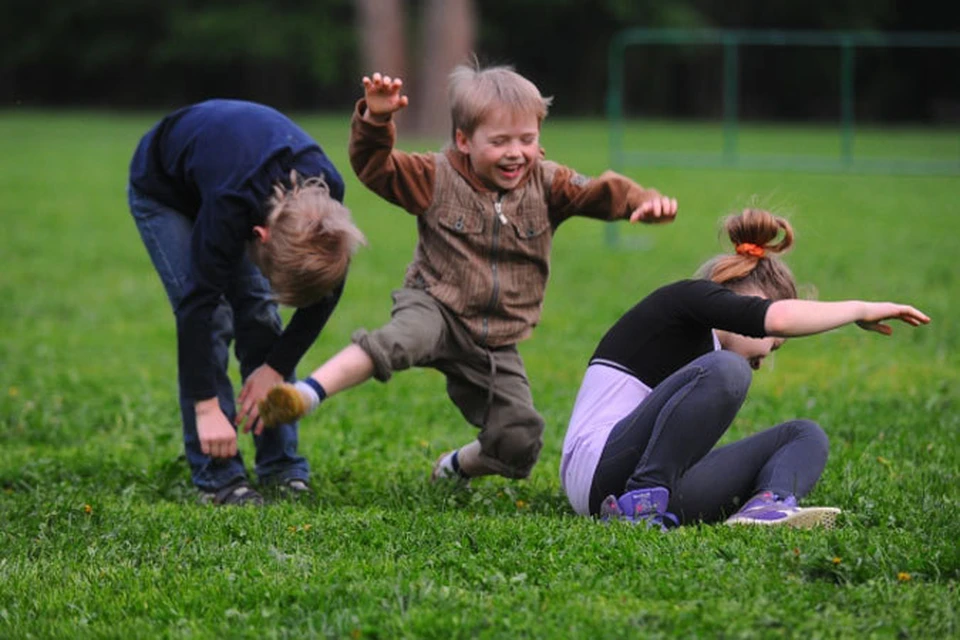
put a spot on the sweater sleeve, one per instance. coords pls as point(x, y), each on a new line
point(301, 332)
point(217, 245)
point(610, 196)
point(713, 305)
point(405, 179)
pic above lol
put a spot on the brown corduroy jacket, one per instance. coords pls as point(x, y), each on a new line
point(483, 254)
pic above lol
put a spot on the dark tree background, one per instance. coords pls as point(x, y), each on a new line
point(298, 54)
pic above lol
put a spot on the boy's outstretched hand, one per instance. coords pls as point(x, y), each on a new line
point(876, 312)
point(254, 390)
point(655, 210)
point(383, 96)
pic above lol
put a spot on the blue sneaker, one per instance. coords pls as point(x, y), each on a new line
point(646, 506)
point(767, 509)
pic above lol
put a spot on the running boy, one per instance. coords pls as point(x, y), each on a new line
point(487, 208)
point(669, 377)
point(240, 209)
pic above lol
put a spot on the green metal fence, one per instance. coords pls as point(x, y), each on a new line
point(730, 155)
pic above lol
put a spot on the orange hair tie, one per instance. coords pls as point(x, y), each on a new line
point(750, 249)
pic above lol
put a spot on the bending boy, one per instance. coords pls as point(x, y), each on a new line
point(240, 209)
point(487, 208)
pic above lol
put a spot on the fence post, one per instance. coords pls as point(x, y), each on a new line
point(731, 89)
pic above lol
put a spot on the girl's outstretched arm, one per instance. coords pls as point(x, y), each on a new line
point(792, 318)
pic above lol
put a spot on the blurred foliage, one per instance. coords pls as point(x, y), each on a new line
point(297, 54)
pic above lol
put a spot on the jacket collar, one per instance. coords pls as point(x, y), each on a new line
point(461, 162)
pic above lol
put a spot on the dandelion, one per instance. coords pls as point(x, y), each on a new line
point(13, 391)
point(903, 576)
point(292, 528)
point(836, 560)
point(307, 527)
point(87, 509)
point(521, 504)
point(424, 444)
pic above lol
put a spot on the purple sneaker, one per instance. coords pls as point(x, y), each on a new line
point(647, 506)
point(766, 509)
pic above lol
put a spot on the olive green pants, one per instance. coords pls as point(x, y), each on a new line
point(489, 386)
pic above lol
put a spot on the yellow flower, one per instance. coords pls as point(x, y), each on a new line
point(903, 576)
point(836, 560)
point(521, 504)
point(87, 509)
point(13, 391)
point(307, 527)
point(292, 529)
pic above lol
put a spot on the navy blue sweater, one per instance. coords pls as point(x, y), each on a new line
point(217, 162)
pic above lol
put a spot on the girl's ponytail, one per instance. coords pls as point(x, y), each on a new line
point(754, 264)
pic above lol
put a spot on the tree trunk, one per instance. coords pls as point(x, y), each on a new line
point(382, 39)
point(447, 36)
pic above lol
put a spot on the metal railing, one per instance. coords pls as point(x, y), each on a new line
point(730, 155)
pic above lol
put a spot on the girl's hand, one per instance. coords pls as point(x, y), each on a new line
point(876, 312)
point(383, 97)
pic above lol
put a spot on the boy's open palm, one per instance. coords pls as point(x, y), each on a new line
point(383, 96)
point(876, 312)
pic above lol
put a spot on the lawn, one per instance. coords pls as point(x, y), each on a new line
point(101, 535)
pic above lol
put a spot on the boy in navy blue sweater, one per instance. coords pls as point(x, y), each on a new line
point(240, 209)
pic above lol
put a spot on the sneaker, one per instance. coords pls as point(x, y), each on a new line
point(290, 488)
point(766, 509)
point(442, 472)
point(239, 493)
point(282, 404)
point(641, 506)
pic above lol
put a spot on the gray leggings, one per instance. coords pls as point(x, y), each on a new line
point(667, 440)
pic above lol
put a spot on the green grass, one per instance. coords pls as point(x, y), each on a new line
point(100, 535)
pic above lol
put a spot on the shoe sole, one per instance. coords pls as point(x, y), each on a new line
point(283, 404)
point(803, 518)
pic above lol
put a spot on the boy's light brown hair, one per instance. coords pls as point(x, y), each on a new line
point(312, 239)
point(474, 93)
point(754, 263)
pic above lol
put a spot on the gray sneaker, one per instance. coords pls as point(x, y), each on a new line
point(288, 489)
point(238, 493)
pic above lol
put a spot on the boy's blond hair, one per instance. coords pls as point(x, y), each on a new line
point(474, 93)
point(311, 240)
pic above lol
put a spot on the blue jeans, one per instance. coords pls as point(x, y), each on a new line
point(246, 311)
point(668, 441)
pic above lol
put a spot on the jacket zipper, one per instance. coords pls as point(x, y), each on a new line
point(499, 221)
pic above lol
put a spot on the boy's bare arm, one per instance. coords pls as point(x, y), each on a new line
point(610, 196)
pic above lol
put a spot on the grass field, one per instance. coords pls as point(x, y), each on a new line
point(100, 534)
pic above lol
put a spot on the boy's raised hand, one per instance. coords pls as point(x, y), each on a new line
point(655, 209)
point(383, 96)
point(876, 312)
